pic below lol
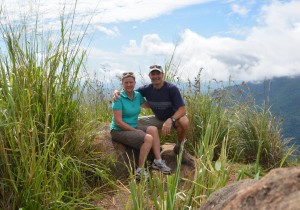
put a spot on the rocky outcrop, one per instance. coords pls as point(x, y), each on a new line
point(217, 199)
point(279, 189)
point(126, 158)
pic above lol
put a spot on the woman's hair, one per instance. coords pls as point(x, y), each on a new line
point(127, 74)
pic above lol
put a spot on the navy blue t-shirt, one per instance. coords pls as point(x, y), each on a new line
point(165, 101)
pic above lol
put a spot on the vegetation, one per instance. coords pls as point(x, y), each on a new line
point(44, 155)
point(281, 95)
point(48, 123)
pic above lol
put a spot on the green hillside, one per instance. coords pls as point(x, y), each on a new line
point(283, 96)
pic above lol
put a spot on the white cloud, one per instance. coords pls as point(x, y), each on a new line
point(129, 10)
point(269, 50)
point(95, 12)
point(151, 44)
point(241, 10)
point(113, 32)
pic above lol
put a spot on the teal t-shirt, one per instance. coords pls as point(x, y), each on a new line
point(130, 109)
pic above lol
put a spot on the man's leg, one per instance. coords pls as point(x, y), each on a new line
point(150, 120)
point(182, 126)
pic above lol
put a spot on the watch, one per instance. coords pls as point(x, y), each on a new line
point(173, 121)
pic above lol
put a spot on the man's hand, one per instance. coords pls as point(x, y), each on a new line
point(116, 95)
point(166, 128)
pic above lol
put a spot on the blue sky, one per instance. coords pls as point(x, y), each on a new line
point(246, 40)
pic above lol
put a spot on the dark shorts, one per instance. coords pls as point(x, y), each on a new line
point(150, 120)
point(134, 139)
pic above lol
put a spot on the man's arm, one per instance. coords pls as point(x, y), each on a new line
point(166, 128)
point(179, 113)
point(145, 105)
point(116, 95)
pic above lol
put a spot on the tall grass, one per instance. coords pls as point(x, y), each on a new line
point(259, 138)
point(173, 191)
point(44, 160)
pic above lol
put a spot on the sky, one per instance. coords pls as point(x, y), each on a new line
point(244, 40)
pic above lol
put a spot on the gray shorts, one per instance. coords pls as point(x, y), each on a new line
point(150, 120)
point(133, 139)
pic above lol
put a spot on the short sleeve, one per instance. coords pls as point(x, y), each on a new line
point(140, 97)
point(117, 105)
point(177, 99)
point(142, 90)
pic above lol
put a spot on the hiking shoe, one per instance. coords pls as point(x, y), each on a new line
point(161, 166)
point(142, 174)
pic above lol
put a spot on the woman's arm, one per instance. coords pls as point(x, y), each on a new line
point(119, 121)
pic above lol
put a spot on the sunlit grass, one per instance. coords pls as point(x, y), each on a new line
point(45, 160)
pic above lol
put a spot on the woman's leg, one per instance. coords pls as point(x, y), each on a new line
point(152, 130)
point(158, 163)
point(144, 150)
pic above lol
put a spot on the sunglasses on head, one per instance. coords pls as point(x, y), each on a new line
point(155, 67)
point(128, 73)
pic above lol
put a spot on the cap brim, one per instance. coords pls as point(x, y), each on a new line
point(155, 69)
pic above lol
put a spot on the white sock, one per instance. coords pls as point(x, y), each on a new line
point(157, 160)
point(138, 169)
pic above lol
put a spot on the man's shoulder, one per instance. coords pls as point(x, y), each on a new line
point(170, 85)
point(145, 87)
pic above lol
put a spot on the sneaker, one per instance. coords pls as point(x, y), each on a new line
point(161, 167)
point(142, 174)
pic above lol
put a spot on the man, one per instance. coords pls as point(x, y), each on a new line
point(167, 105)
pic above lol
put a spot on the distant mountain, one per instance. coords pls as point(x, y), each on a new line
point(283, 96)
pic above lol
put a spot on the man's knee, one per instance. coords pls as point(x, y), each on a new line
point(184, 122)
point(152, 129)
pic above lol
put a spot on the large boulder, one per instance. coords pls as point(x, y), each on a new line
point(126, 157)
point(217, 199)
point(279, 189)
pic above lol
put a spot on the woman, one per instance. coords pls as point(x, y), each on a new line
point(124, 128)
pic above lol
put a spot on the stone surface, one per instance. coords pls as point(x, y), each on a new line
point(216, 200)
point(125, 157)
point(279, 189)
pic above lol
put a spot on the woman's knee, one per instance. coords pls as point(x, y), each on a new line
point(148, 139)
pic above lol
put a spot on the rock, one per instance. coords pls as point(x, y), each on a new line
point(187, 162)
point(279, 189)
point(104, 147)
point(217, 199)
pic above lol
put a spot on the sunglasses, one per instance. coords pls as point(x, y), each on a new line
point(128, 73)
point(155, 67)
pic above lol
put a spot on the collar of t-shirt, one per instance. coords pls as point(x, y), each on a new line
point(124, 95)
